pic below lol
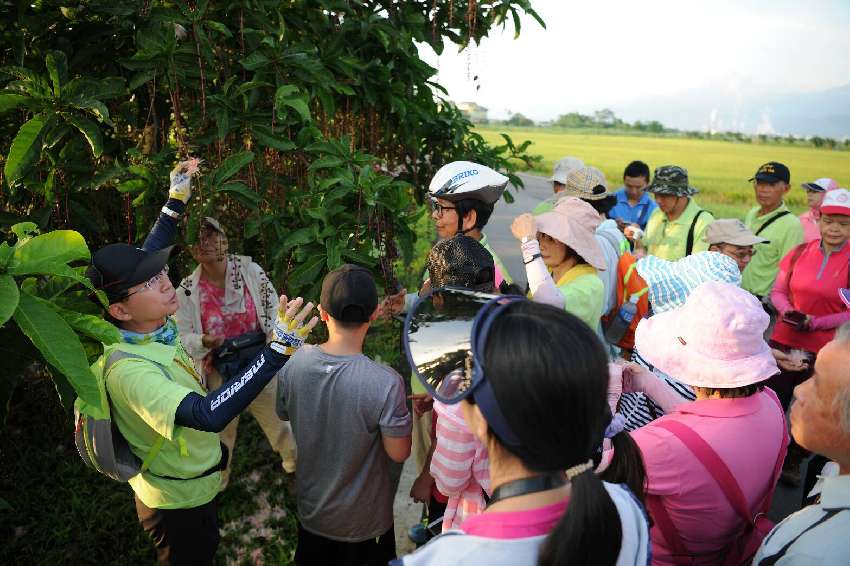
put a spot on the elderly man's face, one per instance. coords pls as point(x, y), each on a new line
point(816, 414)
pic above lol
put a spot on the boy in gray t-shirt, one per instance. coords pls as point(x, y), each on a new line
point(349, 418)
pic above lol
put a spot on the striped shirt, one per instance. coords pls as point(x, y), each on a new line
point(460, 466)
point(639, 409)
point(816, 534)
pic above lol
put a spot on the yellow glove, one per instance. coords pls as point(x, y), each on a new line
point(181, 179)
point(289, 330)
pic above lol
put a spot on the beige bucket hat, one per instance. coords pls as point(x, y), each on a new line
point(573, 222)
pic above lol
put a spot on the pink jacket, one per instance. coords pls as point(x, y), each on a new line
point(747, 433)
point(815, 281)
point(459, 466)
point(809, 221)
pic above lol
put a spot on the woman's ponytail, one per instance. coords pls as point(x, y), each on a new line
point(590, 530)
point(627, 465)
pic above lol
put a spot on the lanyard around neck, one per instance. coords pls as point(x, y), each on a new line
point(525, 486)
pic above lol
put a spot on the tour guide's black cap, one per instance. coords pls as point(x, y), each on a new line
point(771, 172)
point(116, 268)
point(349, 294)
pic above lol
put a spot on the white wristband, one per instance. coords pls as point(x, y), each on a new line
point(168, 212)
point(529, 250)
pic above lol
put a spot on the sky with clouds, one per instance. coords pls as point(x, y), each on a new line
point(622, 54)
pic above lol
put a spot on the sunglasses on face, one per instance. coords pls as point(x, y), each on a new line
point(150, 283)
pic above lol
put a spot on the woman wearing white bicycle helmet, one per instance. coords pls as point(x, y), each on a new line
point(462, 196)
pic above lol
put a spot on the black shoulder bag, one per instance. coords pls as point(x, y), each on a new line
point(236, 353)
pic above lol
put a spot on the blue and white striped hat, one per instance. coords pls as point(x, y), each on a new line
point(670, 282)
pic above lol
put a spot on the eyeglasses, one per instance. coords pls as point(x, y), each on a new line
point(150, 283)
point(742, 253)
point(439, 208)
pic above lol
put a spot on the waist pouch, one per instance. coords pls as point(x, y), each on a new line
point(237, 353)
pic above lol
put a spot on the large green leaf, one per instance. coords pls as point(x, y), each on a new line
point(24, 231)
point(328, 162)
point(11, 101)
point(220, 28)
point(141, 78)
point(254, 61)
point(89, 130)
point(95, 107)
point(8, 297)
point(57, 67)
point(55, 135)
point(132, 186)
point(265, 136)
point(64, 389)
point(242, 193)
point(295, 238)
point(30, 81)
point(6, 252)
point(25, 150)
point(230, 166)
point(333, 249)
point(308, 271)
point(289, 95)
point(56, 248)
point(89, 325)
point(57, 342)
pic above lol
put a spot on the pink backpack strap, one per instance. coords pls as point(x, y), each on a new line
point(680, 554)
point(783, 448)
point(712, 462)
point(720, 471)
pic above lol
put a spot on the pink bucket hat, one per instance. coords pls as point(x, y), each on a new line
point(714, 340)
point(573, 222)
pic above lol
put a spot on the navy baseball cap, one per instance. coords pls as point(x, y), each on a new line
point(771, 172)
point(117, 268)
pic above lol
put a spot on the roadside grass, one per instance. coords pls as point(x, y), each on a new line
point(63, 512)
point(719, 169)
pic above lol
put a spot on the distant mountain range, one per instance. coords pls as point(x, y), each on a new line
point(824, 113)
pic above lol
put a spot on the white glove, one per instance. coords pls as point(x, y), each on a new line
point(615, 385)
point(181, 179)
point(289, 330)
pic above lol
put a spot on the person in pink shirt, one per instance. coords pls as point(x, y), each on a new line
point(815, 192)
point(807, 297)
point(714, 344)
point(459, 466)
point(806, 291)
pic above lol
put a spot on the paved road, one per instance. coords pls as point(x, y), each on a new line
point(785, 501)
point(499, 227)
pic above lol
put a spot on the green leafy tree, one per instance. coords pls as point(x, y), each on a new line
point(45, 313)
point(318, 123)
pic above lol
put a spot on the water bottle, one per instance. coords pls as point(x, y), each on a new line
point(621, 322)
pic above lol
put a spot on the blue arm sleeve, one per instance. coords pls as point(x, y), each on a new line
point(164, 232)
point(213, 412)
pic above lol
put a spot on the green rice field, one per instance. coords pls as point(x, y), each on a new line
point(719, 169)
